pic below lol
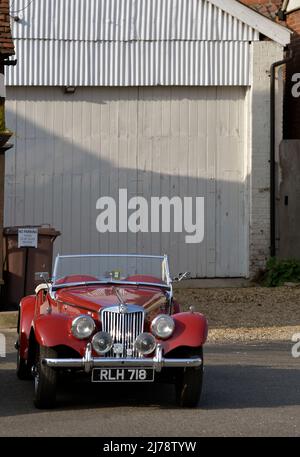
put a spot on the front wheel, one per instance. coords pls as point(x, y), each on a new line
point(188, 383)
point(45, 379)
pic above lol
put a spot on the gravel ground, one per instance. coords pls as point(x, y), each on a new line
point(246, 314)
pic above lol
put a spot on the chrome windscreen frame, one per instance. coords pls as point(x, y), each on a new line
point(165, 271)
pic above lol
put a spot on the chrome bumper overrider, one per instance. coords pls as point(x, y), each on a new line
point(88, 362)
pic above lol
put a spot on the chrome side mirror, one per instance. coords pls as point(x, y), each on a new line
point(182, 276)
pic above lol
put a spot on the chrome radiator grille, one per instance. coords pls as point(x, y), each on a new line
point(124, 327)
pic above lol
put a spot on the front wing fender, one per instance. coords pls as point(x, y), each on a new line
point(190, 330)
point(55, 330)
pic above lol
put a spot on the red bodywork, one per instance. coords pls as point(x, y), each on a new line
point(48, 321)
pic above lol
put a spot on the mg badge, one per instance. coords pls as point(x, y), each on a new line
point(123, 308)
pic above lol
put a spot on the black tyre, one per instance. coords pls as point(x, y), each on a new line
point(23, 369)
point(45, 379)
point(188, 382)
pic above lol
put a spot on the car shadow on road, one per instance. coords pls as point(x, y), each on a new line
point(225, 387)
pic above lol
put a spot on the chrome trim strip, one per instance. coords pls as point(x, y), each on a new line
point(113, 282)
point(139, 256)
point(116, 309)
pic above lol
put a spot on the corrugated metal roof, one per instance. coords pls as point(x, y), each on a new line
point(136, 63)
point(129, 43)
point(125, 20)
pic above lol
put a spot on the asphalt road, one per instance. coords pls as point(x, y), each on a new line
point(249, 390)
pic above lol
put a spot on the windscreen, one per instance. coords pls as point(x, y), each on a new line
point(89, 268)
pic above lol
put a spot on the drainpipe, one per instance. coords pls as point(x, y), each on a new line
point(272, 154)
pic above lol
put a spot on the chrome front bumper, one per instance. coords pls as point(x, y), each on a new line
point(88, 362)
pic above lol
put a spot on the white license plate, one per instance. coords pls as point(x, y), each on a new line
point(122, 375)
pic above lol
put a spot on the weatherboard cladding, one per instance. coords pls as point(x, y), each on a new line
point(129, 43)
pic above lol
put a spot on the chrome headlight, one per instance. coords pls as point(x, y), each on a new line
point(82, 327)
point(145, 343)
point(102, 342)
point(163, 326)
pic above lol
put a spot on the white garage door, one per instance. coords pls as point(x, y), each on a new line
point(187, 142)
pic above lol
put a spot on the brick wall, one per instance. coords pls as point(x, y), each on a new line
point(268, 8)
point(291, 120)
point(6, 49)
point(6, 43)
point(263, 54)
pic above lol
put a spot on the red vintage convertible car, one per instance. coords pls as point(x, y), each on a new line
point(112, 317)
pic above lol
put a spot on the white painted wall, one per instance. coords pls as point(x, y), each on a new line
point(264, 53)
point(72, 149)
